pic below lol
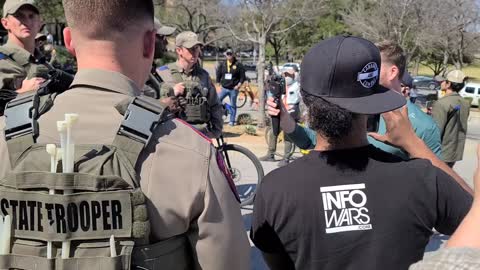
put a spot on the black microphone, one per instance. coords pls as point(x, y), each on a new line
point(276, 89)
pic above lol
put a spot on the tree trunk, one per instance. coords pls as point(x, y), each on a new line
point(445, 60)
point(260, 75)
point(416, 66)
point(460, 50)
point(277, 56)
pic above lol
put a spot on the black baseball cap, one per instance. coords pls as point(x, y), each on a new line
point(345, 70)
point(407, 79)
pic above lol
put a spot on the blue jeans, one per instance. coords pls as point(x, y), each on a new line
point(232, 94)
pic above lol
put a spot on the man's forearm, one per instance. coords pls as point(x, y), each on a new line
point(468, 234)
point(417, 149)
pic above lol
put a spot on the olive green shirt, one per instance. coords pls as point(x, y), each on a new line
point(172, 74)
point(17, 64)
point(451, 115)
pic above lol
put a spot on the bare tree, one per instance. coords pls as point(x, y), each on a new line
point(277, 42)
point(435, 31)
point(396, 20)
point(257, 20)
point(198, 16)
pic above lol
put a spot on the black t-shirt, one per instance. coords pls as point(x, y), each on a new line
point(355, 209)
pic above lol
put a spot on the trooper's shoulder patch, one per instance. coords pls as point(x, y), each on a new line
point(162, 68)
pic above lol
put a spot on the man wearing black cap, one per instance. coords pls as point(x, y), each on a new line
point(392, 69)
point(349, 205)
point(230, 75)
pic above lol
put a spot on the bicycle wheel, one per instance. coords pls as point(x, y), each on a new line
point(246, 170)
point(241, 99)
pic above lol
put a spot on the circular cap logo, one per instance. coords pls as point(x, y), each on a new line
point(369, 75)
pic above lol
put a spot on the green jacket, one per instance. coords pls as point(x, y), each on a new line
point(424, 127)
point(451, 115)
point(17, 64)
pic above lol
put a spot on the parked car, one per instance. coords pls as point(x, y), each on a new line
point(290, 65)
point(471, 90)
point(426, 82)
point(245, 54)
point(250, 66)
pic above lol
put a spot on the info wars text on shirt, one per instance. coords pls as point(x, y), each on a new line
point(345, 209)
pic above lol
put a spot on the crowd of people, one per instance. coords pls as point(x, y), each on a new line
point(146, 189)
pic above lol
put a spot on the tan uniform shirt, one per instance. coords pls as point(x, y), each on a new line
point(201, 76)
point(186, 190)
point(19, 65)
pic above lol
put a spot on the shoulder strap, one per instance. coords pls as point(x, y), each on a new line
point(21, 129)
point(141, 118)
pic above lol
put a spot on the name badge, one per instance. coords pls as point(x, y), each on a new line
point(228, 76)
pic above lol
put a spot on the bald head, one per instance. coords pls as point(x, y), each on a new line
point(107, 19)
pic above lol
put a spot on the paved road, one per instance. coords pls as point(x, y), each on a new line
point(465, 168)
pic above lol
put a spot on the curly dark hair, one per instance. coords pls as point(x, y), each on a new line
point(330, 120)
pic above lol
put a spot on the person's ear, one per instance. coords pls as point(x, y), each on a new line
point(447, 84)
point(149, 44)
point(67, 37)
point(394, 73)
point(5, 23)
point(178, 50)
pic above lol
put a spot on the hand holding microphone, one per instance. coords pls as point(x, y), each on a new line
point(276, 89)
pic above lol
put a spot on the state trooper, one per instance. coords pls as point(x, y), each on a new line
point(22, 66)
point(195, 217)
point(153, 84)
point(193, 87)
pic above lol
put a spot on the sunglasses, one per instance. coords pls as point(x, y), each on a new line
point(229, 54)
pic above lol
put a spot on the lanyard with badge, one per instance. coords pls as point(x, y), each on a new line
point(228, 75)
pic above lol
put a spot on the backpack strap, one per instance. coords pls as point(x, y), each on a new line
point(141, 118)
point(22, 115)
point(21, 129)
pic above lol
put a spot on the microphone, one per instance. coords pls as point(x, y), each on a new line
point(276, 89)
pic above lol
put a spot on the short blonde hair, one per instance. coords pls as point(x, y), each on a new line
point(102, 19)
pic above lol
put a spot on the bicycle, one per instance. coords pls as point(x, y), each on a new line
point(244, 93)
point(244, 168)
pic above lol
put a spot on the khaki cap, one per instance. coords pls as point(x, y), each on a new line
point(162, 29)
point(455, 76)
point(187, 40)
point(40, 35)
point(11, 6)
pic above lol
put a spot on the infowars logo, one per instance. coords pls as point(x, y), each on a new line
point(345, 209)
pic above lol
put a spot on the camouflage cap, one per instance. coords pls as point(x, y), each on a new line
point(162, 29)
point(187, 40)
point(11, 6)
